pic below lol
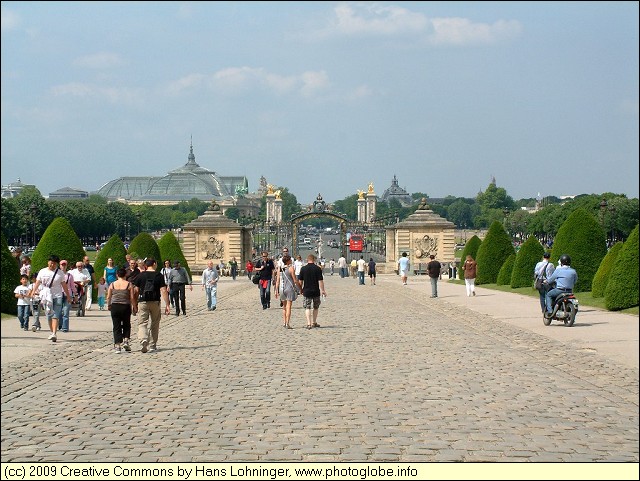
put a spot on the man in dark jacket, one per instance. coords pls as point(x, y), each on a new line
point(433, 269)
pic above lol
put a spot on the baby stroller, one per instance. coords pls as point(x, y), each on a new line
point(79, 302)
point(35, 311)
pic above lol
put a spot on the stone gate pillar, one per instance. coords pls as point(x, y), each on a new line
point(362, 207)
point(420, 235)
point(212, 236)
point(372, 199)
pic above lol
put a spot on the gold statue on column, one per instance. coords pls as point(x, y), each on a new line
point(277, 193)
point(269, 189)
point(360, 194)
point(370, 191)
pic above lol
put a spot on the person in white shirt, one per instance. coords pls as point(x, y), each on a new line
point(342, 265)
point(51, 283)
point(361, 267)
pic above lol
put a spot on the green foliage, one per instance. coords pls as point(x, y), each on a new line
point(622, 289)
point(529, 255)
point(170, 249)
point(492, 253)
point(113, 249)
point(10, 279)
point(470, 248)
point(495, 198)
point(144, 245)
point(504, 275)
point(59, 239)
point(583, 239)
point(602, 274)
point(348, 206)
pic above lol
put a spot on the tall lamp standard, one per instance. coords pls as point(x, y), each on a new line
point(34, 213)
point(505, 212)
point(604, 208)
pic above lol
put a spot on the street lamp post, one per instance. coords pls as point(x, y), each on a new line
point(34, 212)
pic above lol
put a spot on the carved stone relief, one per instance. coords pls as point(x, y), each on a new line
point(425, 246)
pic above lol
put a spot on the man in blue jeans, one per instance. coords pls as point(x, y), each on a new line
point(210, 284)
point(52, 286)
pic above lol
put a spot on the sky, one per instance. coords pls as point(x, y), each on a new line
point(325, 97)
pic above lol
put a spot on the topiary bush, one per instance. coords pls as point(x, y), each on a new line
point(170, 249)
point(602, 274)
point(530, 253)
point(59, 239)
point(492, 253)
point(504, 275)
point(144, 245)
point(622, 289)
point(581, 237)
point(470, 249)
point(10, 279)
point(113, 249)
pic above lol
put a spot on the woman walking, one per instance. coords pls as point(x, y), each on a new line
point(110, 272)
point(287, 288)
point(122, 302)
point(470, 268)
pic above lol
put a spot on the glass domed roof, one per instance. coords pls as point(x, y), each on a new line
point(189, 180)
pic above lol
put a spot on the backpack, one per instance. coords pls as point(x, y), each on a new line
point(149, 291)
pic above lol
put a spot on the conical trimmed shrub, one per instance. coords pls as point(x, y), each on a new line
point(170, 249)
point(492, 253)
point(504, 276)
point(622, 289)
point(584, 240)
point(10, 279)
point(470, 249)
point(530, 253)
point(144, 245)
point(59, 239)
point(602, 274)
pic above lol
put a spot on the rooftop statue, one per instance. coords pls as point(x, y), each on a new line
point(370, 191)
point(360, 194)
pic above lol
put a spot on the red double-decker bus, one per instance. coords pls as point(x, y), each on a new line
point(356, 243)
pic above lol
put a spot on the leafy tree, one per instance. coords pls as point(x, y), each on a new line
point(495, 198)
point(170, 249)
point(10, 279)
point(471, 248)
point(348, 206)
point(492, 253)
point(622, 289)
point(582, 238)
point(530, 253)
point(59, 239)
point(144, 245)
point(602, 274)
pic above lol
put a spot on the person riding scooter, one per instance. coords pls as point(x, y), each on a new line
point(565, 278)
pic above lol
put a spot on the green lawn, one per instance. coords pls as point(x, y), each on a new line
point(585, 298)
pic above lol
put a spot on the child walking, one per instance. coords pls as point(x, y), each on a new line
point(22, 294)
point(102, 291)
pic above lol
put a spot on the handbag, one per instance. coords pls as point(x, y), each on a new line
point(256, 278)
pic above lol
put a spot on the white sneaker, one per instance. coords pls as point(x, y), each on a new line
point(117, 350)
point(53, 338)
point(153, 348)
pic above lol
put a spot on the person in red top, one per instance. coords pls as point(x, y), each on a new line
point(249, 268)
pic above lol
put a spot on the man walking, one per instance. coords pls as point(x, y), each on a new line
point(150, 288)
point(52, 285)
point(178, 279)
point(541, 273)
point(361, 267)
point(265, 268)
point(312, 287)
point(342, 266)
point(210, 284)
point(433, 269)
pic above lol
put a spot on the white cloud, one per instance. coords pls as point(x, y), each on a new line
point(236, 80)
point(9, 20)
point(101, 60)
point(376, 20)
point(461, 31)
point(111, 94)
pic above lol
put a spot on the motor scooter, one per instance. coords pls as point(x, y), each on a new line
point(564, 310)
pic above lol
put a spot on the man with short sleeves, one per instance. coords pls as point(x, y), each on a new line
point(210, 284)
point(150, 308)
point(433, 269)
point(51, 283)
point(92, 281)
point(178, 279)
point(265, 267)
point(403, 268)
point(312, 287)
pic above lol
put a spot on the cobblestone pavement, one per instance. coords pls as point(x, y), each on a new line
point(390, 375)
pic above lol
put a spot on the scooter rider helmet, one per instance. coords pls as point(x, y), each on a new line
point(565, 260)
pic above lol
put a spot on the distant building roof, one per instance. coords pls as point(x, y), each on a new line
point(68, 193)
point(13, 189)
point(398, 193)
point(184, 183)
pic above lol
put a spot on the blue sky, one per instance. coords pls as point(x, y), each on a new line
point(325, 97)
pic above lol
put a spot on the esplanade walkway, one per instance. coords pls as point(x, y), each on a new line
point(391, 375)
